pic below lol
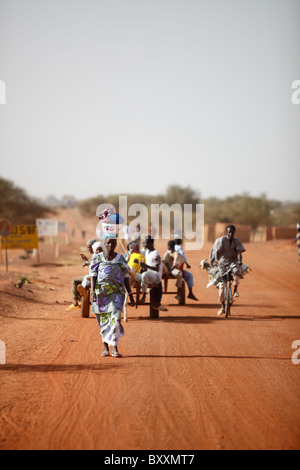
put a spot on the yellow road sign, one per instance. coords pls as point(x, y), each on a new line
point(23, 237)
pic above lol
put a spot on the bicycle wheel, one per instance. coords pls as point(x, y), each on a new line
point(228, 300)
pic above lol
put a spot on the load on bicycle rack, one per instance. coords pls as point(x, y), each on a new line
point(218, 276)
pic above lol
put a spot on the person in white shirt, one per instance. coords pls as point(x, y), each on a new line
point(188, 277)
point(153, 271)
point(153, 268)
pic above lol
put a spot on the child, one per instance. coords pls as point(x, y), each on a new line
point(134, 258)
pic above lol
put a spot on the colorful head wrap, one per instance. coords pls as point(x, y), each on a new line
point(111, 226)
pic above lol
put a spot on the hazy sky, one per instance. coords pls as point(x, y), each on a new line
point(127, 96)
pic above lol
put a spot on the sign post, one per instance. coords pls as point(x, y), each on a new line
point(49, 228)
point(6, 228)
point(22, 237)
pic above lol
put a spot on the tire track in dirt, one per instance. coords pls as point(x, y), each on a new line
point(64, 417)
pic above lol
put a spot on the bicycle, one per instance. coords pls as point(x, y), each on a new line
point(217, 277)
point(228, 290)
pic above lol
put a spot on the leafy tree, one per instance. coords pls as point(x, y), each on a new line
point(177, 195)
point(17, 206)
point(241, 209)
point(285, 213)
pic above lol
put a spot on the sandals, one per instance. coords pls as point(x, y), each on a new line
point(161, 308)
point(116, 354)
point(72, 307)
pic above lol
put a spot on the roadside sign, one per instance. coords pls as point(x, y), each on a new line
point(23, 237)
point(6, 227)
point(47, 227)
point(18, 237)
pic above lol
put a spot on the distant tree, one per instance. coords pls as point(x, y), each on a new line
point(240, 209)
point(178, 195)
point(175, 194)
point(17, 206)
point(88, 207)
point(286, 213)
point(253, 211)
point(212, 210)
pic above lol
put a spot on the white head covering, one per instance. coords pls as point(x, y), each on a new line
point(97, 245)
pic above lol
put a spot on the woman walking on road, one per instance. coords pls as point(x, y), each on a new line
point(108, 282)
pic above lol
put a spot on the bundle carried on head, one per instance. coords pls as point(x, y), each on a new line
point(111, 223)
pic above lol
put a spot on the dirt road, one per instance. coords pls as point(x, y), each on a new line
point(188, 380)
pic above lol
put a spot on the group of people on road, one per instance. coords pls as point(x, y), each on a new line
point(110, 275)
point(147, 267)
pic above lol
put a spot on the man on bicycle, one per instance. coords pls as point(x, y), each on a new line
point(227, 250)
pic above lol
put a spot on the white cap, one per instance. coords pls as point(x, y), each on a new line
point(97, 245)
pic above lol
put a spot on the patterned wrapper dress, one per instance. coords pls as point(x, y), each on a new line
point(110, 291)
point(297, 240)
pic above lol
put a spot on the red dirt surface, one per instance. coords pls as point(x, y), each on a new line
point(187, 381)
